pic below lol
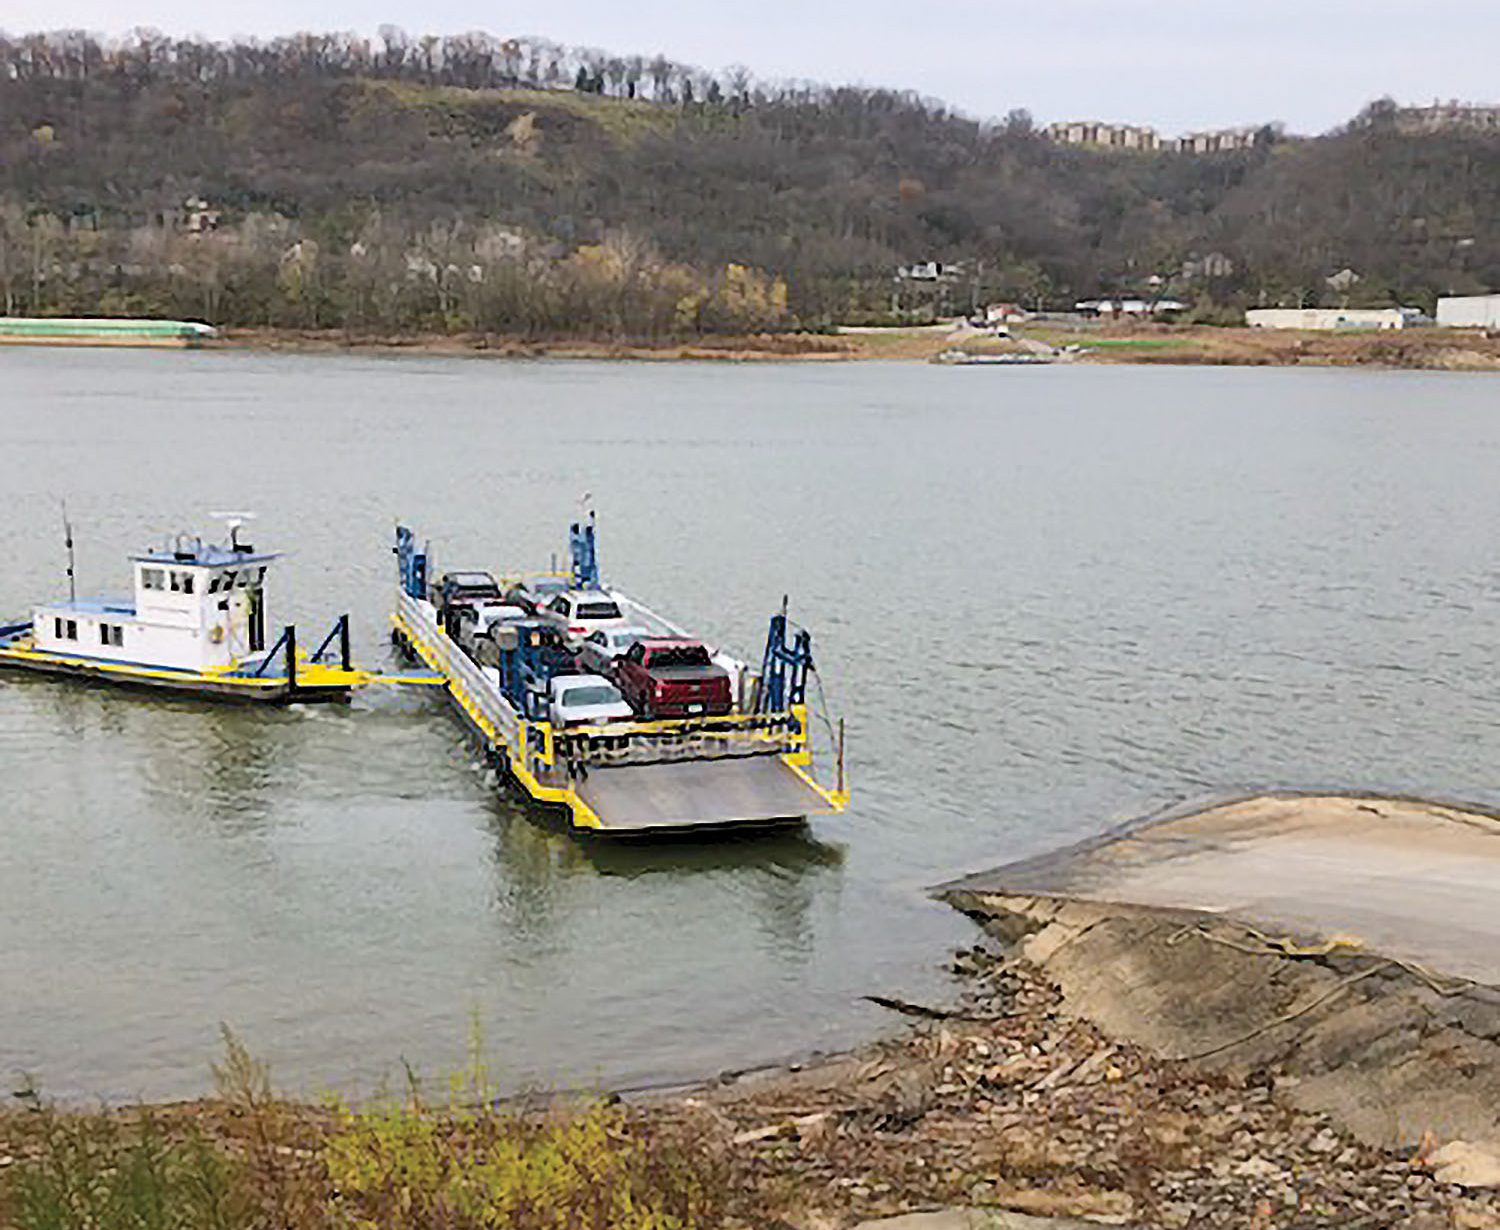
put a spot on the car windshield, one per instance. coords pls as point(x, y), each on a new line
point(598, 610)
point(622, 639)
point(591, 694)
point(680, 655)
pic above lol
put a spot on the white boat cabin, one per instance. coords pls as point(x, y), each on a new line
point(197, 607)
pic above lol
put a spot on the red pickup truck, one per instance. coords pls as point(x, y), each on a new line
point(662, 678)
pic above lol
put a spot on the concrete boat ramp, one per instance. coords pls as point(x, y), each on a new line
point(1344, 950)
point(1406, 879)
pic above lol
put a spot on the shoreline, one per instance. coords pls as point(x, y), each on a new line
point(1156, 1028)
point(1417, 349)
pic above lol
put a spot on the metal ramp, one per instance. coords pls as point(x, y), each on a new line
point(698, 794)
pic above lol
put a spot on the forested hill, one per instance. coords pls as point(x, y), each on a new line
point(514, 185)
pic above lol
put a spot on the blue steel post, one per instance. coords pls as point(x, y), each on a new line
point(784, 667)
point(411, 564)
point(583, 547)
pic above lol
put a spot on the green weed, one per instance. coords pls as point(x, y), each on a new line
point(252, 1161)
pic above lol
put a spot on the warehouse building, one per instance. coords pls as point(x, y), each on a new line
point(1327, 318)
point(1469, 312)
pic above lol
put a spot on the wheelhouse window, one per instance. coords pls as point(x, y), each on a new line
point(182, 582)
point(153, 578)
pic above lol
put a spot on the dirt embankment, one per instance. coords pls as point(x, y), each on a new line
point(729, 348)
point(1428, 349)
point(1425, 349)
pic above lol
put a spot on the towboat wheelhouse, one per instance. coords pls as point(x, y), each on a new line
point(196, 607)
point(195, 622)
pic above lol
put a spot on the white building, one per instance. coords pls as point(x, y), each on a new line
point(1139, 308)
point(1469, 312)
point(1327, 318)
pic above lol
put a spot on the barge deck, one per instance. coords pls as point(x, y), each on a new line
point(750, 767)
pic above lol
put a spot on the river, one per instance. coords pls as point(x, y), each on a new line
point(1046, 599)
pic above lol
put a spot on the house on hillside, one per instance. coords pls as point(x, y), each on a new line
point(1216, 141)
point(1005, 314)
point(1484, 117)
point(1104, 136)
point(929, 271)
point(1130, 309)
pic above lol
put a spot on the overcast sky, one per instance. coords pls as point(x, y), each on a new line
point(1177, 64)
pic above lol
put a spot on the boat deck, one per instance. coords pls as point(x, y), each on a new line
point(739, 771)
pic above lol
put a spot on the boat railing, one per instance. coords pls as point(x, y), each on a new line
point(338, 634)
point(677, 739)
point(11, 632)
point(283, 651)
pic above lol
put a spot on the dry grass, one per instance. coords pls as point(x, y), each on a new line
point(252, 1161)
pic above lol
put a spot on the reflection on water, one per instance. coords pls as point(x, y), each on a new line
point(539, 868)
point(1046, 600)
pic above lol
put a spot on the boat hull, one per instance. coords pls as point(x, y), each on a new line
point(322, 685)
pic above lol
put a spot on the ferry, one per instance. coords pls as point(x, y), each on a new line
point(197, 624)
point(513, 651)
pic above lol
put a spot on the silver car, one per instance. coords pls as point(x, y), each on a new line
point(601, 647)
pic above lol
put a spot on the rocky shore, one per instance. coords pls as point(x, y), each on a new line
point(1011, 1102)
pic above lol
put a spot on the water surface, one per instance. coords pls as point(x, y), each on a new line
point(1047, 600)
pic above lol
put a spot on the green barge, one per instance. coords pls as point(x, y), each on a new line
point(101, 331)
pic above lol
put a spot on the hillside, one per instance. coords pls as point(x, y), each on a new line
point(518, 187)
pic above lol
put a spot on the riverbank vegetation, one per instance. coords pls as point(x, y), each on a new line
point(1006, 1099)
point(251, 1161)
point(517, 187)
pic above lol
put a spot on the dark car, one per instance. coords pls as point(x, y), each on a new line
point(534, 594)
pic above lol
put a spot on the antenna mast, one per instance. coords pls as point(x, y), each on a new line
point(68, 539)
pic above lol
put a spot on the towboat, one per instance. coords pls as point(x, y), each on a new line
point(197, 624)
point(735, 751)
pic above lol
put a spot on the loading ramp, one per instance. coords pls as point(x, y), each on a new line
point(699, 794)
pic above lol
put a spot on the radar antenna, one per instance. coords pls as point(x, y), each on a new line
point(235, 522)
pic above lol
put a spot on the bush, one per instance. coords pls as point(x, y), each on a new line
point(92, 1172)
point(260, 1163)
